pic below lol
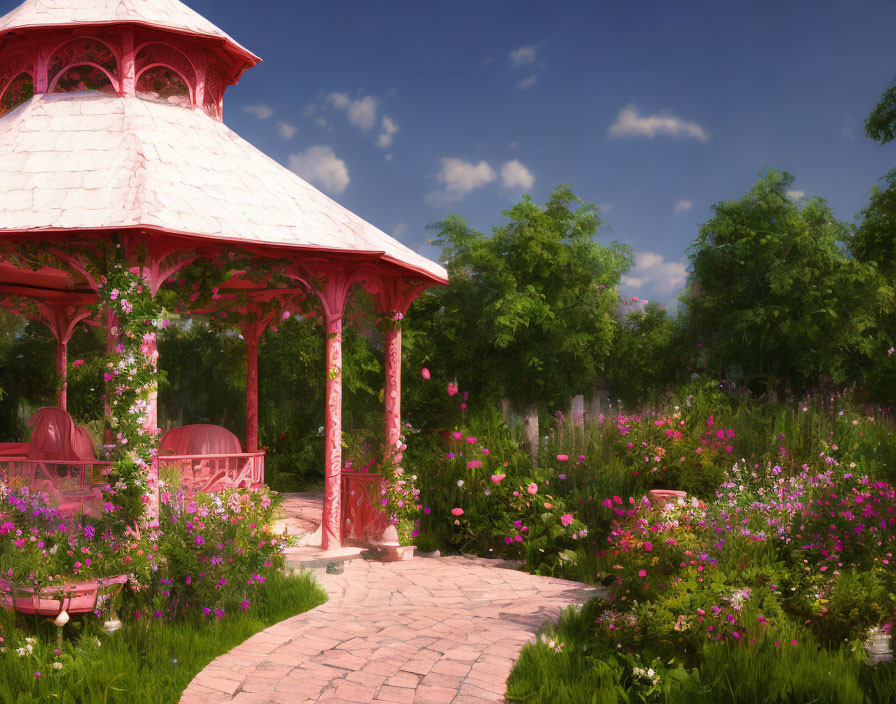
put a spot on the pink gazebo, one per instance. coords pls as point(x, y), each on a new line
point(111, 124)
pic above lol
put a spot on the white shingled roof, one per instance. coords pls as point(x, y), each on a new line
point(164, 14)
point(89, 161)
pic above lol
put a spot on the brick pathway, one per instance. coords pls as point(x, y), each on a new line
point(425, 631)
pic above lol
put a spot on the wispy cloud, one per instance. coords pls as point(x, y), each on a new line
point(527, 82)
point(629, 123)
point(320, 165)
point(459, 178)
point(262, 111)
point(653, 277)
point(361, 112)
point(515, 176)
point(682, 206)
point(286, 130)
point(522, 56)
point(389, 130)
point(795, 195)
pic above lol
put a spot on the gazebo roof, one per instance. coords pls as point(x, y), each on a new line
point(161, 14)
point(79, 161)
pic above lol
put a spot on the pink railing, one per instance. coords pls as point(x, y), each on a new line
point(363, 520)
point(207, 473)
point(69, 484)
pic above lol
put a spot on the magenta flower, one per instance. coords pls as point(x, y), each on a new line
point(457, 512)
point(648, 546)
point(566, 519)
point(532, 488)
point(452, 388)
point(562, 458)
point(425, 373)
point(642, 573)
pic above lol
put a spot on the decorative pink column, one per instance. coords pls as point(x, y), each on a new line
point(152, 425)
point(252, 335)
point(393, 392)
point(62, 372)
point(331, 529)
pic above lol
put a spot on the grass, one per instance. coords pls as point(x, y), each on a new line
point(146, 662)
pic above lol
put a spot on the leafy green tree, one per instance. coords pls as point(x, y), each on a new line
point(528, 314)
point(774, 292)
point(881, 123)
point(648, 356)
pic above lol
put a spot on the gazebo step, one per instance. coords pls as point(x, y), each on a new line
point(311, 558)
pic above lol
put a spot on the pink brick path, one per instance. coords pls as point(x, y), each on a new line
point(425, 631)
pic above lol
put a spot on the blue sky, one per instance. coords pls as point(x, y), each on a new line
point(406, 112)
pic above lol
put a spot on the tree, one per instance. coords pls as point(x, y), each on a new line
point(528, 314)
point(774, 292)
point(647, 356)
point(881, 123)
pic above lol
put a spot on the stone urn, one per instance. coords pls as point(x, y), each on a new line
point(390, 548)
point(877, 647)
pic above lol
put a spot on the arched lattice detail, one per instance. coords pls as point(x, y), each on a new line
point(83, 77)
point(77, 54)
point(11, 67)
point(17, 91)
point(164, 84)
point(159, 54)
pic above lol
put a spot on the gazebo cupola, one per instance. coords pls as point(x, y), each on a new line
point(111, 127)
point(153, 49)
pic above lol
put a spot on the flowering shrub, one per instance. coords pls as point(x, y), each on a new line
point(215, 550)
point(40, 547)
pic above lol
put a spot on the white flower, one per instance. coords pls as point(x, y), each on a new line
point(57, 665)
point(460, 482)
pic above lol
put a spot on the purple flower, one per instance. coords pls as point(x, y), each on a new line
point(199, 540)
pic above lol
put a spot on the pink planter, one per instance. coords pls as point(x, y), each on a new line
point(74, 598)
point(662, 497)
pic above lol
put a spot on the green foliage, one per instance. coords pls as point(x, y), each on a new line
point(529, 312)
point(773, 291)
point(648, 357)
point(150, 661)
point(880, 125)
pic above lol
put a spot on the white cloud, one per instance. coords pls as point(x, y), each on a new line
point(516, 176)
point(361, 112)
point(340, 101)
point(321, 122)
point(320, 166)
point(795, 195)
point(400, 230)
point(262, 112)
point(654, 278)
point(459, 178)
point(286, 130)
point(522, 56)
point(390, 129)
point(630, 124)
point(682, 206)
point(605, 208)
point(528, 82)
point(847, 133)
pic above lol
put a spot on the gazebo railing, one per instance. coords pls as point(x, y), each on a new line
point(208, 473)
point(363, 520)
point(62, 479)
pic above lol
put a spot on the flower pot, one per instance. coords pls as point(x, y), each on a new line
point(50, 602)
point(877, 648)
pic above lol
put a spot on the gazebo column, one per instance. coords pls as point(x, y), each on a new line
point(393, 391)
point(331, 533)
point(62, 372)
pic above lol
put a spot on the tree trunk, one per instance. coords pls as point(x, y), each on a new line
point(531, 431)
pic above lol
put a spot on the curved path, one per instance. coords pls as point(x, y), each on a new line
point(425, 631)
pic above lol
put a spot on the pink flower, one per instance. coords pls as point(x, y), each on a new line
point(562, 458)
point(642, 573)
point(452, 388)
point(471, 441)
point(709, 421)
point(532, 488)
point(728, 448)
point(77, 362)
point(425, 373)
point(648, 546)
point(474, 464)
point(497, 478)
point(457, 512)
point(565, 519)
